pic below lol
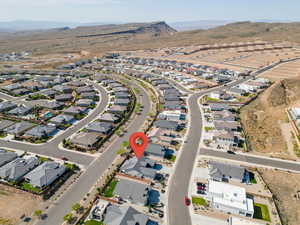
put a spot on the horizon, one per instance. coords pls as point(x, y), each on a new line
point(126, 11)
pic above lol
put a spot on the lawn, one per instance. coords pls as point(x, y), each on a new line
point(110, 189)
point(261, 211)
point(93, 222)
point(199, 201)
point(29, 187)
point(207, 129)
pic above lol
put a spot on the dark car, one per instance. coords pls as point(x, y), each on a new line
point(65, 158)
point(187, 201)
point(231, 152)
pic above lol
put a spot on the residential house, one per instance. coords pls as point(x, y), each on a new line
point(125, 215)
point(64, 97)
point(229, 199)
point(86, 140)
point(18, 128)
point(6, 106)
point(100, 127)
point(6, 156)
point(171, 115)
point(45, 174)
point(224, 172)
point(227, 126)
point(74, 110)
point(20, 110)
point(158, 151)
point(122, 101)
point(5, 123)
point(62, 119)
point(41, 131)
point(227, 139)
point(84, 102)
point(52, 105)
point(88, 95)
point(136, 193)
point(118, 109)
point(17, 168)
point(219, 107)
point(109, 117)
point(223, 116)
point(167, 124)
point(142, 168)
point(63, 88)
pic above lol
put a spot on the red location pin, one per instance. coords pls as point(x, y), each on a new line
point(138, 142)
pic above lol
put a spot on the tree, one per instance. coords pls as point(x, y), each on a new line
point(125, 144)
point(76, 207)
point(68, 217)
point(38, 213)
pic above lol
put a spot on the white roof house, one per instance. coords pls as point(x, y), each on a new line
point(230, 199)
point(295, 112)
point(238, 221)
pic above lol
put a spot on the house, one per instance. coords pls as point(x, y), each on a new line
point(167, 124)
point(120, 95)
point(119, 89)
point(219, 107)
point(136, 193)
point(122, 101)
point(171, 115)
point(18, 128)
point(143, 168)
point(6, 106)
point(157, 150)
point(61, 119)
point(226, 139)
point(223, 116)
point(118, 109)
point(17, 168)
point(74, 110)
point(88, 95)
point(6, 156)
point(85, 89)
point(236, 91)
point(63, 88)
point(20, 110)
point(49, 93)
point(45, 174)
point(21, 91)
point(64, 97)
point(5, 123)
point(99, 127)
point(86, 140)
point(40, 131)
point(84, 102)
point(173, 105)
point(224, 172)
point(125, 215)
point(109, 117)
point(227, 126)
point(52, 105)
point(229, 199)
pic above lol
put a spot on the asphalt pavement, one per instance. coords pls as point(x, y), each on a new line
point(78, 190)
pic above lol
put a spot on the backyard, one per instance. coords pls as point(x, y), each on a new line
point(110, 188)
point(261, 211)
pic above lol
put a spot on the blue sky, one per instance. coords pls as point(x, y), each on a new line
point(148, 10)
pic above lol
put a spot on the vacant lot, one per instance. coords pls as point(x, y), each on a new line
point(14, 203)
point(285, 187)
point(264, 120)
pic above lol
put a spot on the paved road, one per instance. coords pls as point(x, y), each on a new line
point(96, 169)
point(178, 213)
point(51, 148)
point(263, 161)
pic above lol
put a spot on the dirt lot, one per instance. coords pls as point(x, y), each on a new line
point(285, 192)
point(265, 120)
point(14, 203)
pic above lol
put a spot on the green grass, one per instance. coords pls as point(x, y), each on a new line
point(110, 189)
point(208, 128)
point(30, 188)
point(212, 99)
point(93, 222)
point(199, 201)
point(172, 158)
point(261, 211)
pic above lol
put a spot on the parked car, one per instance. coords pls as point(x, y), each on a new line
point(231, 152)
point(187, 201)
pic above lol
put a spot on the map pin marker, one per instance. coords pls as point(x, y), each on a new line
point(138, 142)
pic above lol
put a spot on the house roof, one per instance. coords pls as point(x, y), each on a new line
point(140, 168)
point(136, 193)
point(19, 128)
point(51, 104)
point(18, 168)
point(5, 123)
point(219, 170)
point(101, 127)
point(6, 156)
point(85, 138)
point(20, 110)
point(7, 105)
point(45, 173)
point(109, 117)
point(124, 215)
point(61, 119)
point(155, 149)
point(166, 124)
point(40, 131)
point(74, 110)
